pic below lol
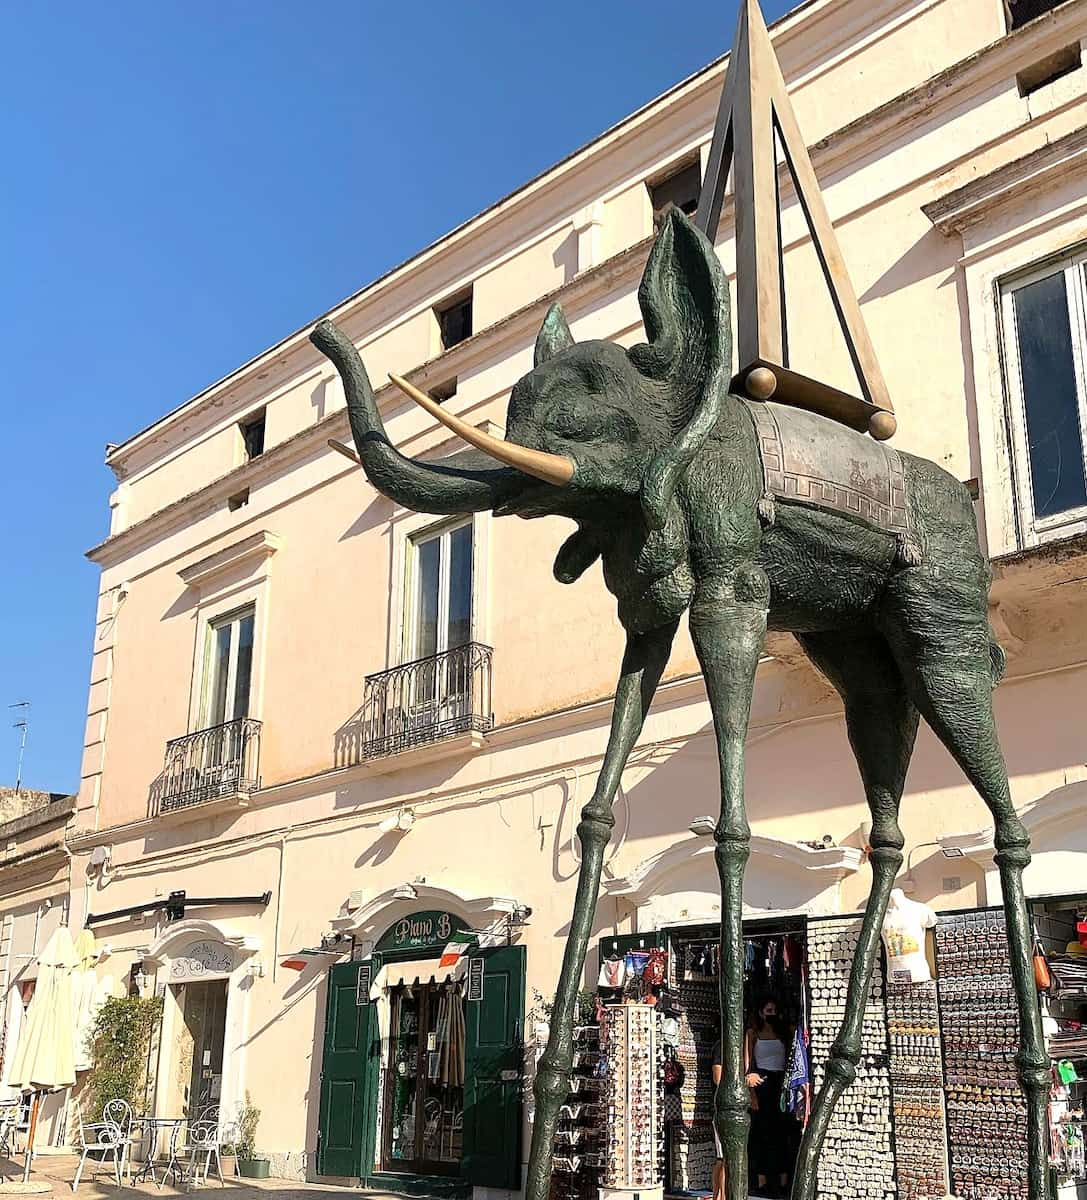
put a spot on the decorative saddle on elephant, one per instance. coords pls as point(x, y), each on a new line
point(809, 460)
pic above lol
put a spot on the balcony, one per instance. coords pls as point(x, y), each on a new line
point(430, 700)
point(219, 763)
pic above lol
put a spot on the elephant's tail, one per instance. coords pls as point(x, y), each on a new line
point(998, 660)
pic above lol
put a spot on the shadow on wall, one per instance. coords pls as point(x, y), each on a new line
point(349, 739)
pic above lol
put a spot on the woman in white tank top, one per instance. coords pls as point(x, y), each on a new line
point(766, 1049)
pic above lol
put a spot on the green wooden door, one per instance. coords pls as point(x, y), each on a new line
point(494, 1064)
point(345, 1100)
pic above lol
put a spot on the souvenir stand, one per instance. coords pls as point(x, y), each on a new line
point(1061, 973)
point(986, 1109)
point(632, 1055)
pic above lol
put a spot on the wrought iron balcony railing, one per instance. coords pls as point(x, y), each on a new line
point(427, 701)
point(221, 761)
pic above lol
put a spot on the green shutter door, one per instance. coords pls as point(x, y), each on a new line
point(344, 1100)
point(494, 1062)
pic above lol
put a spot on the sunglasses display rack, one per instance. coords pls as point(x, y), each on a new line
point(986, 1111)
point(857, 1162)
point(631, 1100)
point(917, 1089)
point(577, 1158)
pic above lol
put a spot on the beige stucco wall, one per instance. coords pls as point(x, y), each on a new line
point(329, 588)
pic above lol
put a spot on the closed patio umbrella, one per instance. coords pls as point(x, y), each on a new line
point(85, 1002)
point(45, 1057)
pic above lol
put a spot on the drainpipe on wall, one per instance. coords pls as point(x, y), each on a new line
point(279, 899)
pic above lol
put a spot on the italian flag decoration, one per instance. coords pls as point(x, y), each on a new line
point(456, 946)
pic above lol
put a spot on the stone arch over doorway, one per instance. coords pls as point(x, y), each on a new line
point(679, 885)
point(1058, 837)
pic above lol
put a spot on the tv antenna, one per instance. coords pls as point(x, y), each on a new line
point(23, 725)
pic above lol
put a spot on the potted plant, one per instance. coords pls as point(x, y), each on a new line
point(250, 1166)
point(228, 1155)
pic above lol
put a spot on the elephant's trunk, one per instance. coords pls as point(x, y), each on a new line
point(461, 483)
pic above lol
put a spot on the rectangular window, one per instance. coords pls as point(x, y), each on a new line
point(441, 591)
point(1020, 12)
point(455, 320)
point(680, 188)
point(1048, 70)
point(228, 669)
point(1046, 332)
point(252, 431)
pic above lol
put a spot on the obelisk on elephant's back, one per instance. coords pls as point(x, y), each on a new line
point(755, 116)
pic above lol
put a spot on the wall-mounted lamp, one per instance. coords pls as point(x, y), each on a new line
point(909, 884)
point(405, 892)
point(703, 826)
point(255, 968)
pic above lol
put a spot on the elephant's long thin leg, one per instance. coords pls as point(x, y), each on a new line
point(643, 664)
point(950, 678)
point(882, 726)
point(729, 638)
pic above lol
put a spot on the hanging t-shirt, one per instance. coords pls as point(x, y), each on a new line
point(904, 939)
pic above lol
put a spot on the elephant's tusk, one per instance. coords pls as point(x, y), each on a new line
point(346, 451)
point(551, 468)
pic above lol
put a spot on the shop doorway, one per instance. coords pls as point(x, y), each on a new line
point(775, 977)
point(775, 969)
point(197, 1071)
point(424, 1092)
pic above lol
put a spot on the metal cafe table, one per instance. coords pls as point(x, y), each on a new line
point(150, 1128)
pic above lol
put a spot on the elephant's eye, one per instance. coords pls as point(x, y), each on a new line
point(579, 426)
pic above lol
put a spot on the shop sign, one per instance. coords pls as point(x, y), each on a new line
point(362, 985)
point(202, 960)
point(475, 979)
point(421, 931)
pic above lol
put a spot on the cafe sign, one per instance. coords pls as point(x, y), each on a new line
point(421, 931)
point(202, 960)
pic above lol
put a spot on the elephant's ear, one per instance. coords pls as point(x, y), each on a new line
point(684, 299)
point(554, 335)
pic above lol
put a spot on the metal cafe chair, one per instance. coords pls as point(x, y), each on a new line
point(105, 1137)
point(120, 1113)
point(206, 1138)
point(9, 1123)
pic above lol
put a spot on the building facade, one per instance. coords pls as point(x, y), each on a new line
point(324, 733)
point(35, 895)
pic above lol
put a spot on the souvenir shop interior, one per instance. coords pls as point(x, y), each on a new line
point(936, 1108)
point(1060, 969)
point(644, 1070)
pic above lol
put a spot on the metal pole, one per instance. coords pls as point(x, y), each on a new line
point(22, 724)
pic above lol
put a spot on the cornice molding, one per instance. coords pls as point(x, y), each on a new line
point(180, 934)
point(247, 552)
point(643, 882)
point(964, 206)
point(1063, 804)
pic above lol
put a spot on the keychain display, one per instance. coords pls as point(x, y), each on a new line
point(986, 1110)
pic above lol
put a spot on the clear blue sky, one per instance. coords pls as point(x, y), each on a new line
point(185, 184)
